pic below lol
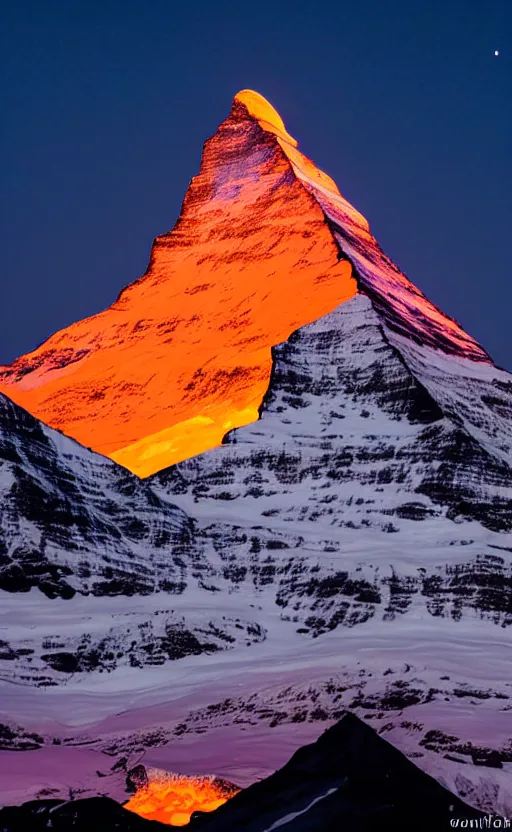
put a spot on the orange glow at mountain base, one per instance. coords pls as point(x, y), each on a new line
point(172, 799)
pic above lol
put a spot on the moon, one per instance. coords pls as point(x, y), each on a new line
point(496, 53)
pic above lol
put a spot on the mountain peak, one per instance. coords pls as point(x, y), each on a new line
point(265, 114)
point(265, 244)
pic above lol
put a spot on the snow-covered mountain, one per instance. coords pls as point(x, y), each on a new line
point(356, 493)
point(350, 550)
point(74, 521)
point(362, 502)
point(76, 524)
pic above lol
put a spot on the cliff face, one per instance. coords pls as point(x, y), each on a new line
point(264, 244)
point(184, 353)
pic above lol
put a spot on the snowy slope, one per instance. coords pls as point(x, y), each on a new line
point(351, 449)
point(92, 524)
point(76, 525)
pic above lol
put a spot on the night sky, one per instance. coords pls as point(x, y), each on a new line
point(105, 107)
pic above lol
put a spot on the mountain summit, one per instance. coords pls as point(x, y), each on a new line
point(264, 244)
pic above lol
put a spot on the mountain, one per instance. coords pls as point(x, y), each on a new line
point(349, 549)
point(74, 521)
point(214, 299)
point(74, 525)
point(349, 778)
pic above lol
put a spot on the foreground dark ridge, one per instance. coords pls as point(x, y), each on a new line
point(349, 779)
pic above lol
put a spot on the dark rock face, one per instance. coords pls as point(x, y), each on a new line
point(12, 740)
point(136, 778)
point(349, 779)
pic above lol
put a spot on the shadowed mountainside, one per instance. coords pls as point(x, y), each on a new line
point(349, 779)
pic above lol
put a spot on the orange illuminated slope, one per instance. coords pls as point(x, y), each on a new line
point(264, 244)
point(183, 355)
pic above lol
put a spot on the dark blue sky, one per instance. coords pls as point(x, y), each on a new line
point(105, 106)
